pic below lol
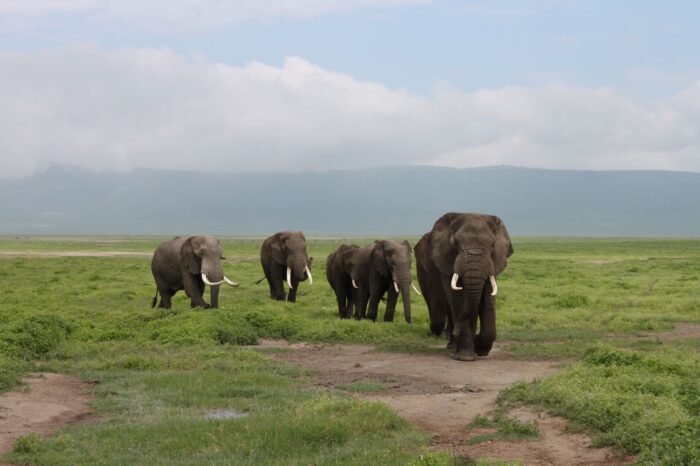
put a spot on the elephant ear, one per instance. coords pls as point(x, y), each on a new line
point(503, 247)
point(407, 245)
point(191, 254)
point(278, 254)
point(377, 259)
point(442, 250)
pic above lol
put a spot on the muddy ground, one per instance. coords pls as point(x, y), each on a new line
point(443, 396)
point(43, 404)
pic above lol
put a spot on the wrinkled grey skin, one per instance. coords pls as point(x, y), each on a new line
point(178, 264)
point(389, 261)
point(474, 246)
point(279, 251)
point(348, 263)
point(429, 282)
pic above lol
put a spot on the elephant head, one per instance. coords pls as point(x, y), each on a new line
point(289, 249)
point(201, 255)
point(356, 265)
point(471, 249)
point(392, 261)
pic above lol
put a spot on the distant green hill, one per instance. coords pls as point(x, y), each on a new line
point(376, 201)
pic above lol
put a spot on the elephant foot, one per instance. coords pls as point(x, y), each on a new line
point(464, 356)
point(451, 344)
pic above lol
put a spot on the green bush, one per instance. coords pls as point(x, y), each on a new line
point(36, 335)
point(28, 443)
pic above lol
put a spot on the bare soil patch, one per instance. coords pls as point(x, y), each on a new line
point(43, 404)
point(443, 396)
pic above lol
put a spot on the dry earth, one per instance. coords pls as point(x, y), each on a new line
point(442, 396)
point(43, 404)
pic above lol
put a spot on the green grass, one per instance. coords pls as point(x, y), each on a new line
point(507, 428)
point(364, 386)
point(161, 371)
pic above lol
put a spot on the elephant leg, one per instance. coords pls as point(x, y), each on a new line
point(194, 288)
point(362, 299)
point(277, 277)
point(292, 295)
point(342, 301)
point(352, 303)
point(391, 298)
point(165, 298)
point(451, 340)
point(374, 299)
point(487, 326)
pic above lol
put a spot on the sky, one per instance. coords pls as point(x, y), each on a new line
point(296, 85)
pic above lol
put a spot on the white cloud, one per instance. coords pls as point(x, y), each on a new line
point(176, 15)
point(116, 110)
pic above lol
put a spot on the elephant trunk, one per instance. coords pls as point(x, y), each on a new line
point(471, 306)
point(297, 268)
point(214, 293)
point(403, 283)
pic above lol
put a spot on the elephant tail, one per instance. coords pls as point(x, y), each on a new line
point(260, 281)
point(155, 299)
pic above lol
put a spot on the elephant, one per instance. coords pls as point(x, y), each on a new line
point(347, 271)
point(188, 263)
point(389, 272)
point(283, 255)
point(429, 279)
point(458, 262)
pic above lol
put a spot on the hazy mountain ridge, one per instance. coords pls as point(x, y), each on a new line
point(374, 201)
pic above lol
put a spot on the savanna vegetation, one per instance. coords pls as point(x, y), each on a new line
point(162, 373)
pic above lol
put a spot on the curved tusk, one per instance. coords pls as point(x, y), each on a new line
point(207, 282)
point(416, 289)
point(354, 285)
point(289, 277)
point(396, 286)
point(230, 282)
point(494, 285)
point(308, 272)
point(455, 277)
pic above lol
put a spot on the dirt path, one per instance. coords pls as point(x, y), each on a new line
point(45, 403)
point(442, 396)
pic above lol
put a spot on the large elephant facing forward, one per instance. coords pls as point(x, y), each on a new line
point(284, 258)
point(458, 262)
point(188, 263)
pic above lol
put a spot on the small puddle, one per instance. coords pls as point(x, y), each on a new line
point(219, 414)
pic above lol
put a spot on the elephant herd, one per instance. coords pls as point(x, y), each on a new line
point(457, 264)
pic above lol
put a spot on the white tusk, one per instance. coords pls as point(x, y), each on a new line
point(289, 277)
point(455, 277)
point(354, 285)
point(207, 282)
point(396, 286)
point(494, 285)
point(308, 272)
point(230, 282)
point(416, 290)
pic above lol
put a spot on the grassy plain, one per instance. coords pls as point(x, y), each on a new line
point(584, 301)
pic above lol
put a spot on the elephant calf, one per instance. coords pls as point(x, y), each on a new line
point(347, 270)
point(283, 257)
point(188, 263)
